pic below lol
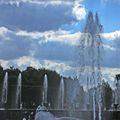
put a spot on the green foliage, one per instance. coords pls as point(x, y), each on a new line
point(32, 83)
point(107, 95)
point(1, 73)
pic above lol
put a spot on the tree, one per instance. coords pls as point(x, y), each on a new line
point(107, 95)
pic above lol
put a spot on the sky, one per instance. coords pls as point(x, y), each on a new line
point(44, 33)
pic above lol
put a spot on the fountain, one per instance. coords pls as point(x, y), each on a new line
point(44, 114)
point(18, 92)
point(87, 93)
point(89, 79)
point(48, 116)
point(94, 107)
point(117, 79)
point(61, 94)
point(89, 69)
point(89, 61)
point(4, 91)
point(45, 89)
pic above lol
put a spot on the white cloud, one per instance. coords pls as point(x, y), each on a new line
point(112, 35)
point(40, 2)
point(44, 2)
point(25, 61)
point(21, 62)
point(109, 47)
point(111, 71)
point(67, 37)
point(109, 75)
point(53, 36)
point(10, 44)
point(3, 30)
point(56, 36)
point(65, 69)
point(52, 45)
point(111, 40)
point(79, 11)
point(38, 44)
point(3, 34)
point(50, 15)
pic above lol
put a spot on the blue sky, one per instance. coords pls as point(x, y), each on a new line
point(44, 33)
point(107, 10)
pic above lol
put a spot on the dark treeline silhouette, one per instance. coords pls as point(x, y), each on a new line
point(32, 85)
point(107, 95)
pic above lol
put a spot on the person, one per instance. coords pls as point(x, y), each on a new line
point(33, 106)
point(38, 108)
point(43, 107)
point(21, 105)
point(65, 105)
point(49, 105)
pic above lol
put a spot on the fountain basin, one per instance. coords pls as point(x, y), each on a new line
point(67, 118)
point(44, 116)
point(48, 116)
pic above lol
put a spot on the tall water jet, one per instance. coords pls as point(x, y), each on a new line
point(4, 91)
point(87, 92)
point(61, 94)
point(90, 59)
point(18, 91)
point(98, 62)
point(45, 89)
point(116, 91)
point(94, 107)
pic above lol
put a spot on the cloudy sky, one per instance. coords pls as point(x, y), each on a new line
point(44, 33)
